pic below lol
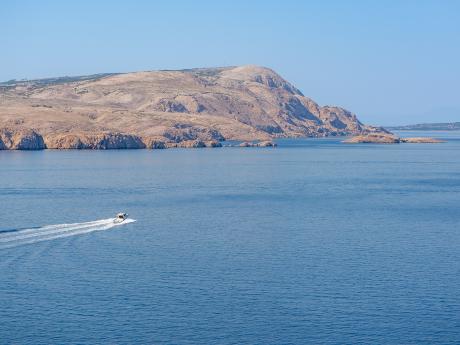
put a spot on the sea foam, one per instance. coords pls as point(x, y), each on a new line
point(32, 235)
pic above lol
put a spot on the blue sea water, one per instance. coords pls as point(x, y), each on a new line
point(314, 242)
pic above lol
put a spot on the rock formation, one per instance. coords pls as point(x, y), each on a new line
point(388, 139)
point(103, 141)
point(265, 143)
point(20, 139)
point(159, 109)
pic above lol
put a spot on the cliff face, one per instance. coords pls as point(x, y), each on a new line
point(94, 141)
point(24, 139)
point(164, 109)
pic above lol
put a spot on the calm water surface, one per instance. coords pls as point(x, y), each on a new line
point(312, 242)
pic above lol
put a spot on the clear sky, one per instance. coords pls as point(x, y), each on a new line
point(390, 62)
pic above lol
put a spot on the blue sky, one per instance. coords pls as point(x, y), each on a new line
point(390, 62)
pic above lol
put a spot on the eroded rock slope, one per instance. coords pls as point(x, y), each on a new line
point(187, 108)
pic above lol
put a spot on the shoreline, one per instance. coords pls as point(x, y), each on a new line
point(235, 144)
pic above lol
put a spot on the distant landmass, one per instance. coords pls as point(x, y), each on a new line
point(187, 108)
point(450, 126)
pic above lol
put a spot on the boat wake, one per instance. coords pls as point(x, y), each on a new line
point(17, 237)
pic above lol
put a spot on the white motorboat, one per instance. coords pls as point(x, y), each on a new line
point(121, 217)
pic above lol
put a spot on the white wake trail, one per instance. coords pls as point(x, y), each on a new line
point(42, 229)
point(52, 229)
point(51, 232)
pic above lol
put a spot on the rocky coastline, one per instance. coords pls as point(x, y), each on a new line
point(27, 139)
point(11, 139)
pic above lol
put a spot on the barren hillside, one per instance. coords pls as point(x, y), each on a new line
point(189, 108)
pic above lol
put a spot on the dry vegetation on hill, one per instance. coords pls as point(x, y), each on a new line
point(189, 108)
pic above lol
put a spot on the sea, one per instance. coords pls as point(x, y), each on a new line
point(312, 242)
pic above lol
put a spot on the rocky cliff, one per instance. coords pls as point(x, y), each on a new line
point(159, 109)
point(22, 139)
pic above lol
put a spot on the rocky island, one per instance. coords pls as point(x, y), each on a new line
point(159, 109)
point(388, 138)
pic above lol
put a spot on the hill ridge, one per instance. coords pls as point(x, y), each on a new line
point(247, 102)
